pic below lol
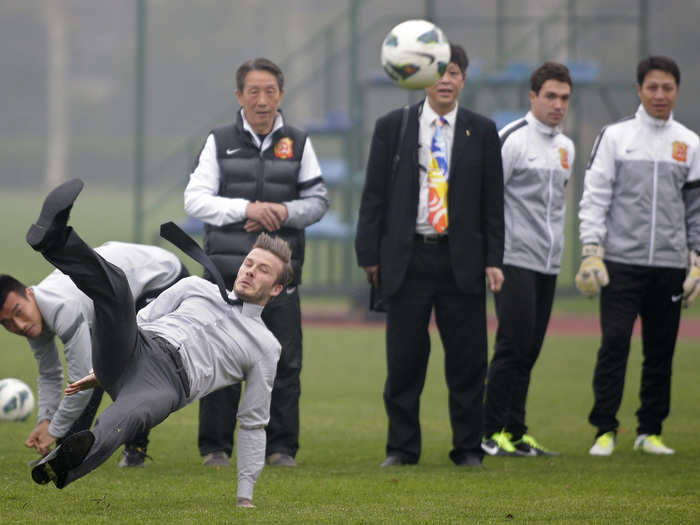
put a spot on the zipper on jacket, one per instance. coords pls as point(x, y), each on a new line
point(653, 211)
point(261, 174)
point(549, 222)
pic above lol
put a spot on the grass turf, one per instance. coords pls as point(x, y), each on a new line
point(343, 433)
point(342, 443)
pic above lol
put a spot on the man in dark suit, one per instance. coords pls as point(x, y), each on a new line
point(429, 231)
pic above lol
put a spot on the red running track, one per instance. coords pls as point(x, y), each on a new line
point(560, 324)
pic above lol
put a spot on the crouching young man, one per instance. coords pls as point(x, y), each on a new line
point(55, 308)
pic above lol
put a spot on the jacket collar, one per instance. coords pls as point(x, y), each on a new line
point(248, 309)
point(647, 119)
point(252, 310)
point(244, 126)
point(541, 127)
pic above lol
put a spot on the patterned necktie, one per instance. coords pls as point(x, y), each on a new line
point(437, 178)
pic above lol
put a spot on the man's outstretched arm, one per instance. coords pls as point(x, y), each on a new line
point(253, 416)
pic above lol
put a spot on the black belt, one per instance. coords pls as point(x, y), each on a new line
point(431, 238)
point(176, 358)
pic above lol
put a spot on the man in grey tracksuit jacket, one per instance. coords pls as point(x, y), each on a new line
point(640, 216)
point(537, 163)
point(67, 313)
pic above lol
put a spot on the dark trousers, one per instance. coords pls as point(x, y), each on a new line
point(523, 307)
point(217, 411)
point(655, 295)
point(461, 321)
point(131, 366)
point(84, 421)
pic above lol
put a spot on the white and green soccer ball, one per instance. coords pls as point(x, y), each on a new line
point(16, 400)
point(415, 54)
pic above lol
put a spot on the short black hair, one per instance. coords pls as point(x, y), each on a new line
point(659, 62)
point(10, 284)
point(549, 71)
point(459, 56)
point(258, 64)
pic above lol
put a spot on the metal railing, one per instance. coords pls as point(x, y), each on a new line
point(330, 262)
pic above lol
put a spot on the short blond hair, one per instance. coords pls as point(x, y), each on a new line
point(280, 248)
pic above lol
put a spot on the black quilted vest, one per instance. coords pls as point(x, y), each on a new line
point(246, 172)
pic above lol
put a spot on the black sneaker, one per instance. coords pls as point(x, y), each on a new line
point(133, 456)
point(55, 465)
point(278, 459)
point(216, 459)
point(49, 229)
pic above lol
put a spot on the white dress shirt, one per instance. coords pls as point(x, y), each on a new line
point(426, 130)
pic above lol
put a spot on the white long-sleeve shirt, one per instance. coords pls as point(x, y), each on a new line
point(69, 314)
point(221, 345)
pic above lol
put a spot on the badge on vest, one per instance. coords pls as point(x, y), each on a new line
point(283, 148)
point(679, 151)
point(564, 158)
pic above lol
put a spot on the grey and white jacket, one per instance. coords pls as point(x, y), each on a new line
point(641, 198)
point(537, 163)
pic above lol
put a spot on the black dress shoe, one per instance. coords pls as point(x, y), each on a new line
point(392, 461)
point(50, 228)
point(56, 464)
point(470, 460)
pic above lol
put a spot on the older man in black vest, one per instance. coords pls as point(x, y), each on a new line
point(257, 174)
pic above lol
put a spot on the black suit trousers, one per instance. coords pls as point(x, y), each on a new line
point(461, 321)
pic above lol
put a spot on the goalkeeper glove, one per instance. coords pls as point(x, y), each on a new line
point(691, 285)
point(592, 274)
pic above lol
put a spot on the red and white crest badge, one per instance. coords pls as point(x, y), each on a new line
point(564, 158)
point(679, 151)
point(284, 148)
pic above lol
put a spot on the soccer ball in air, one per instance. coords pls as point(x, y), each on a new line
point(16, 400)
point(415, 54)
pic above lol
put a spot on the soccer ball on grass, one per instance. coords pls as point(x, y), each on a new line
point(415, 54)
point(16, 400)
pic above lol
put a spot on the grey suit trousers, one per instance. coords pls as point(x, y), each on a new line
point(131, 366)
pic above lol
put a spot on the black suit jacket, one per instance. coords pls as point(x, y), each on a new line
point(387, 221)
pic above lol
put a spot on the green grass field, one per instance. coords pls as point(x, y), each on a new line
point(343, 435)
point(342, 442)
